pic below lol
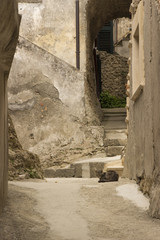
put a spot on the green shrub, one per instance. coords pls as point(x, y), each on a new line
point(109, 101)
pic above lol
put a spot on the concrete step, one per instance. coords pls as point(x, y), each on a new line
point(88, 168)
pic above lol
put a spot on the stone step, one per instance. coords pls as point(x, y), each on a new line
point(115, 138)
point(114, 115)
point(116, 133)
point(91, 168)
point(114, 125)
point(61, 172)
point(117, 166)
point(115, 142)
point(114, 118)
point(113, 110)
point(114, 150)
point(88, 168)
point(112, 164)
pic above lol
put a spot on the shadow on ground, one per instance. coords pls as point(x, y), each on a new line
point(20, 221)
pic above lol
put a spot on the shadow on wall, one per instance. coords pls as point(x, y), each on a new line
point(9, 30)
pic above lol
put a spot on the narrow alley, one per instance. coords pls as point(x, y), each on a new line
point(77, 209)
point(80, 120)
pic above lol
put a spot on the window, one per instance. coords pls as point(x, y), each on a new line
point(138, 78)
point(105, 38)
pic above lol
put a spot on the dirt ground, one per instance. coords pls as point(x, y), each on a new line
point(76, 209)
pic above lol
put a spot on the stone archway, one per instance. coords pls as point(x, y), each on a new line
point(97, 13)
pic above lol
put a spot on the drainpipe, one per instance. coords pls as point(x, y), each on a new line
point(77, 36)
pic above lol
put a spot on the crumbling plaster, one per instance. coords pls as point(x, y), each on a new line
point(47, 107)
point(9, 28)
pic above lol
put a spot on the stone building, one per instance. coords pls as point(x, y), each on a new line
point(53, 104)
point(9, 27)
point(143, 153)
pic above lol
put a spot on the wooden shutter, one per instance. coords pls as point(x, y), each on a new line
point(105, 38)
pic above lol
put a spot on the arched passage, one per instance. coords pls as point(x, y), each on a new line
point(97, 13)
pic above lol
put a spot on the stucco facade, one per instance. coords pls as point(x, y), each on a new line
point(9, 26)
point(143, 153)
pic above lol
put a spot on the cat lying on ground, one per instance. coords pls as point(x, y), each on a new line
point(109, 176)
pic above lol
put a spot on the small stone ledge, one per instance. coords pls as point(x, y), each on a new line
point(137, 93)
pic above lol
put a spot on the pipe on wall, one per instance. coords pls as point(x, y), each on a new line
point(77, 36)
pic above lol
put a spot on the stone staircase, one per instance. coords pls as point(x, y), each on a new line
point(114, 141)
point(114, 118)
point(115, 130)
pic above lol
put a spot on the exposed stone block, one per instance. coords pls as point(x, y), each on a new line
point(114, 150)
point(114, 70)
point(62, 172)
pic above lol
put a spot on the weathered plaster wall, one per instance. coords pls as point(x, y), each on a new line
point(114, 70)
point(9, 20)
point(121, 27)
point(143, 153)
point(46, 102)
point(51, 25)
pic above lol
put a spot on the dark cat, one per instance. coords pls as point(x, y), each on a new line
point(110, 176)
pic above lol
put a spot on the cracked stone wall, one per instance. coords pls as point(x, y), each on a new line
point(143, 152)
point(9, 27)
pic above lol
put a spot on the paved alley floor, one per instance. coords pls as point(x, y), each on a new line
point(77, 209)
